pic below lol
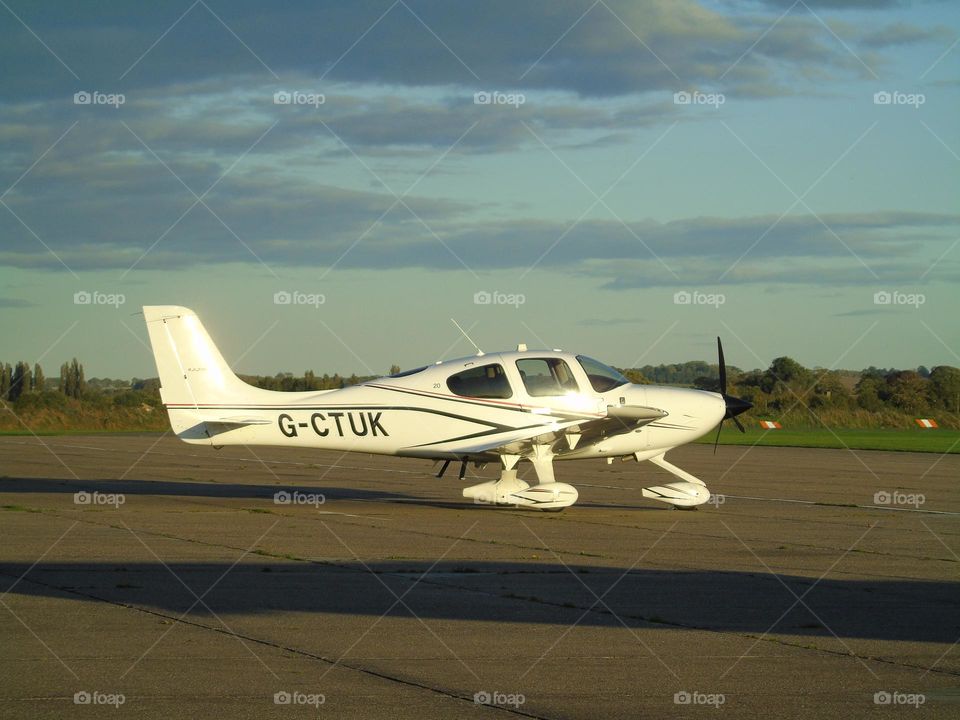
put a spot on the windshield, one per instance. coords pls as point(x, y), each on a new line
point(602, 377)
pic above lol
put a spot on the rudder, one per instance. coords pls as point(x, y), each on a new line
point(192, 371)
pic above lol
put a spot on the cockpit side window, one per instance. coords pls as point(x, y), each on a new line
point(485, 381)
point(602, 377)
point(543, 377)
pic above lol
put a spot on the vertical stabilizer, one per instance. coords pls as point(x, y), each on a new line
point(192, 370)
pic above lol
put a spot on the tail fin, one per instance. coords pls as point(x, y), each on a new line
point(192, 371)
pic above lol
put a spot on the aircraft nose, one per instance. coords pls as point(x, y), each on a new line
point(735, 406)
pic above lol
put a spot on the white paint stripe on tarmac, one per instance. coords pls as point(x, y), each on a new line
point(795, 501)
point(62, 445)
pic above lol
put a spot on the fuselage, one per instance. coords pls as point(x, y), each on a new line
point(449, 409)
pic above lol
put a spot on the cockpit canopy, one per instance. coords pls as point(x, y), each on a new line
point(540, 376)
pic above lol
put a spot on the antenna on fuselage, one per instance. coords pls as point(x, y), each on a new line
point(479, 351)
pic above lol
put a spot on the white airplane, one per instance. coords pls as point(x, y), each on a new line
point(504, 407)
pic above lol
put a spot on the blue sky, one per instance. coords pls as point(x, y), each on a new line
point(796, 210)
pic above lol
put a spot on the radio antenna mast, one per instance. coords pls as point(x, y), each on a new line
point(479, 351)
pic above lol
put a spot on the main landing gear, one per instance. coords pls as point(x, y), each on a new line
point(547, 494)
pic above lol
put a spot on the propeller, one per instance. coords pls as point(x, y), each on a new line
point(734, 405)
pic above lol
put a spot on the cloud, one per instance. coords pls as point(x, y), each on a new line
point(208, 122)
point(122, 186)
point(716, 240)
point(775, 273)
point(840, 4)
point(619, 47)
point(903, 34)
point(291, 221)
point(610, 322)
point(867, 312)
point(200, 117)
point(6, 302)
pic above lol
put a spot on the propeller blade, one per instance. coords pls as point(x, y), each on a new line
point(734, 405)
point(723, 367)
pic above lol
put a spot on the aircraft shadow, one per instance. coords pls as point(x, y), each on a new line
point(135, 487)
point(514, 592)
point(169, 488)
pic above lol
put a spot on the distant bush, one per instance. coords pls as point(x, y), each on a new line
point(41, 400)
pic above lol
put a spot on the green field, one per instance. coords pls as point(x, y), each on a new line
point(917, 440)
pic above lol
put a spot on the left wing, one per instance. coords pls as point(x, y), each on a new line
point(566, 435)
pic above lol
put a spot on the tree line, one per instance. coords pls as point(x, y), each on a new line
point(288, 382)
point(784, 385)
point(19, 380)
point(787, 384)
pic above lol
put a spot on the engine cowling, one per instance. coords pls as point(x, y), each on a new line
point(681, 494)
